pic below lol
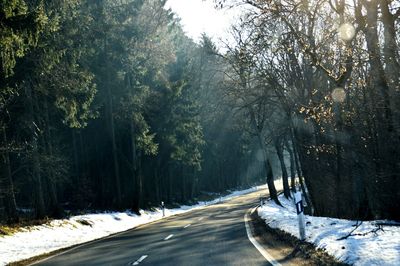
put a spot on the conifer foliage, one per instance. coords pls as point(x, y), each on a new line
point(108, 105)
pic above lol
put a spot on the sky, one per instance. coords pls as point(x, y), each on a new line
point(198, 16)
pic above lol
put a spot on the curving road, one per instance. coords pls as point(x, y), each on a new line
point(215, 235)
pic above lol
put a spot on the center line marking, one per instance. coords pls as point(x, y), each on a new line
point(186, 226)
point(168, 237)
point(139, 260)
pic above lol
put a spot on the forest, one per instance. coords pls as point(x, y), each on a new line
point(108, 105)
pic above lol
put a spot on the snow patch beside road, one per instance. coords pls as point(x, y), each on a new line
point(380, 248)
point(36, 240)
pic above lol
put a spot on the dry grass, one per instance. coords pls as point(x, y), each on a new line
point(306, 253)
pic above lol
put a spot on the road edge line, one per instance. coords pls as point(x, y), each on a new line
point(255, 243)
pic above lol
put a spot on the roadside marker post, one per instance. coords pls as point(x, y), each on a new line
point(163, 208)
point(300, 214)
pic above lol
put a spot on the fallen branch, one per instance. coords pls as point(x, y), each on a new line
point(351, 232)
point(374, 231)
point(388, 224)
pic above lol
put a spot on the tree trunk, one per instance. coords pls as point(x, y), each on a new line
point(391, 61)
point(83, 156)
point(54, 206)
point(170, 182)
point(157, 185)
point(268, 169)
point(292, 167)
point(135, 198)
point(385, 182)
point(140, 180)
point(10, 203)
point(339, 180)
point(270, 177)
point(40, 211)
point(300, 175)
point(114, 146)
point(183, 183)
point(76, 156)
point(193, 190)
point(279, 151)
point(270, 182)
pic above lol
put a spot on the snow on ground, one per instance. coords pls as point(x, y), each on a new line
point(37, 240)
point(380, 248)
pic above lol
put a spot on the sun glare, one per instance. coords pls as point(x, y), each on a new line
point(198, 16)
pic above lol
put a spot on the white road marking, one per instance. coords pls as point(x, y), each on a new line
point(168, 237)
point(139, 260)
point(201, 218)
point(206, 205)
point(263, 252)
point(186, 226)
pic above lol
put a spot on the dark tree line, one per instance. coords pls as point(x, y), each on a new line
point(320, 80)
point(108, 105)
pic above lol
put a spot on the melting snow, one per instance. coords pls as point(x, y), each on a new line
point(37, 240)
point(380, 248)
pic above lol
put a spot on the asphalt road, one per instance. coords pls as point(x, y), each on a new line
point(215, 235)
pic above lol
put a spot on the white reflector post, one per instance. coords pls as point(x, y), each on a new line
point(300, 215)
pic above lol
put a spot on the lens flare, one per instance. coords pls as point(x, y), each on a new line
point(338, 95)
point(346, 32)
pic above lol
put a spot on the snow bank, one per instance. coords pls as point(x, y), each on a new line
point(37, 240)
point(380, 248)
